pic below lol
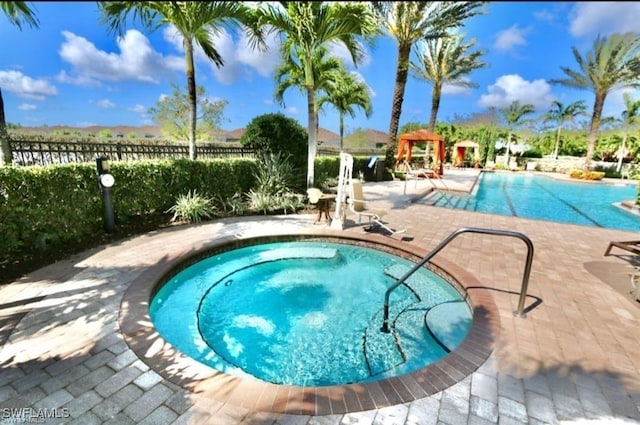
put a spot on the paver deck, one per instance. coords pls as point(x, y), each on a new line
point(573, 359)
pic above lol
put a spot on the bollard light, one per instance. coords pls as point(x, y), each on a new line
point(106, 182)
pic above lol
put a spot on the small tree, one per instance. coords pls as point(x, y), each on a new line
point(173, 115)
point(270, 134)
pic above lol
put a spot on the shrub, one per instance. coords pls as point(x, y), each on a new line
point(590, 175)
point(275, 133)
point(191, 208)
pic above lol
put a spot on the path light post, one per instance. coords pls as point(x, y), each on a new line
point(105, 183)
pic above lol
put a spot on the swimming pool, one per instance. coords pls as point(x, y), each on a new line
point(309, 314)
point(544, 198)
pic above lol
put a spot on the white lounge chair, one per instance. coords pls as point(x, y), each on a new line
point(358, 206)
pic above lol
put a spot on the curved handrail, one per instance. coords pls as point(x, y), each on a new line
point(525, 278)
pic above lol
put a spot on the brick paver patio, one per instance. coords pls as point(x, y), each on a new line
point(573, 359)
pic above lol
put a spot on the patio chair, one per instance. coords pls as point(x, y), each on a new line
point(631, 246)
point(634, 248)
point(358, 206)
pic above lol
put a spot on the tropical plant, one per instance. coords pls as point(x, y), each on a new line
point(306, 26)
point(514, 115)
point(290, 74)
point(613, 63)
point(18, 12)
point(191, 208)
point(445, 60)
point(277, 134)
point(273, 175)
point(562, 115)
point(630, 119)
point(346, 92)
point(197, 22)
point(172, 114)
point(408, 22)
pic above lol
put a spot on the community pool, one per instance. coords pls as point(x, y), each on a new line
point(544, 198)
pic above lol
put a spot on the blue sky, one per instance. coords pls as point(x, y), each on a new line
point(73, 71)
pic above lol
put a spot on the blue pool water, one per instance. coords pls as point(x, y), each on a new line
point(539, 197)
point(309, 313)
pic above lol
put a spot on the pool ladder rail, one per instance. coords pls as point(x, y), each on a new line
point(525, 278)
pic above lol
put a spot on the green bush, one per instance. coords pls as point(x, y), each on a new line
point(49, 207)
point(192, 208)
point(275, 133)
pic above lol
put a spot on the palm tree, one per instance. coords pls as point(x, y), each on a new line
point(514, 115)
point(562, 115)
point(345, 93)
point(407, 22)
point(290, 73)
point(630, 118)
point(17, 12)
point(445, 60)
point(614, 63)
point(197, 23)
point(307, 26)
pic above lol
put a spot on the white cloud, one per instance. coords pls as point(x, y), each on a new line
point(340, 51)
point(509, 88)
point(23, 86)
point(84, 124)
point(138, 109)
point(238, 56)
point(545, 16)
point(106, 104)
point(136, 61)
point(27, 107)
point(450, 89)
point(507, 40)
point(162, 97)
point(267, 101)
point(614, 105)
point(292, 110)
point(592, 18)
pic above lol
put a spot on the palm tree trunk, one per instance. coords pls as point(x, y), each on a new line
point(593, 132)
point(555, 150)
point(313, 137)
point(191, 89)
point(341, 131)
point(5, 149)
point(435, 105)
point(508, 147)
point(622, 149)
point(402, 72)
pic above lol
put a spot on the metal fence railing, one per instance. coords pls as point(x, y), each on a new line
point(26, 152)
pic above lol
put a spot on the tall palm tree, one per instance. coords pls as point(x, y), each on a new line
point(197, 23)
point(630, 118)
point(514, 115)
point(613, 63)
point(290, 73)
point(407, 22)
point(563, 115)
point(18, 12)
point(445, 60)
point(306, 26)
point(344, 93)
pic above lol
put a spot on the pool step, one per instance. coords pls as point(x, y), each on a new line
point(449, 323)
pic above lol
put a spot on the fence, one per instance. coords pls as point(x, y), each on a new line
point(50, 152)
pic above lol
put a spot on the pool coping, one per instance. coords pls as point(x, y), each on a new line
point(140, 335)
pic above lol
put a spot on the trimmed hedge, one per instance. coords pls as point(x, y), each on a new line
point(47, 207)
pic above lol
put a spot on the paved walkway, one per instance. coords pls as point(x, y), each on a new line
point(573, 359)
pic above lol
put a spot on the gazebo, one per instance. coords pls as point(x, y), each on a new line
point(459, 151)
point(406, 141)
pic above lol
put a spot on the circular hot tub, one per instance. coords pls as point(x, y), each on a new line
point(304, 312)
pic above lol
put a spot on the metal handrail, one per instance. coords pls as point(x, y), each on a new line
point(525, 278)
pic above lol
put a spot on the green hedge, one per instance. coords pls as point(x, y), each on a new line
point(47, 207)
